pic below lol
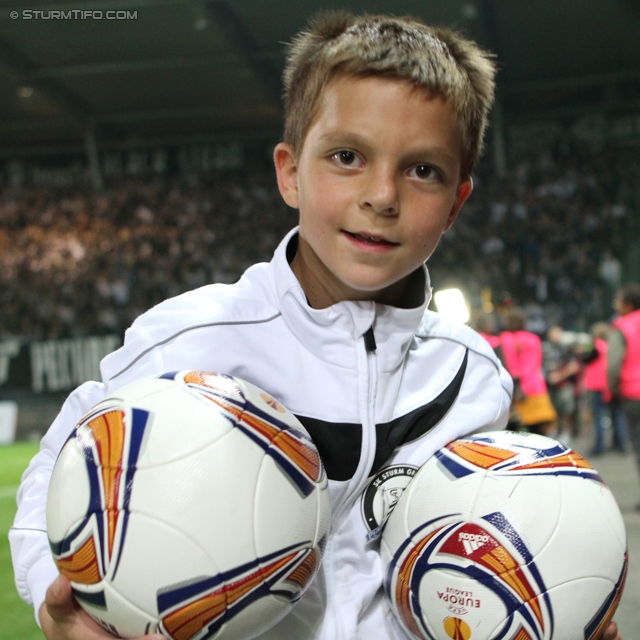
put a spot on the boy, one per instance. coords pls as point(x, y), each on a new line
point(384, 121)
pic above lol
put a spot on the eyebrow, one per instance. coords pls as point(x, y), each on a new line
point(346, 138)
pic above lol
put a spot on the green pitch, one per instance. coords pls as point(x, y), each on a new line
point(16, 617)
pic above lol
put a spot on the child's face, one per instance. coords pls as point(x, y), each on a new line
point(377, 182)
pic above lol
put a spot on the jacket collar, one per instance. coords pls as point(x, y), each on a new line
point(327, 332)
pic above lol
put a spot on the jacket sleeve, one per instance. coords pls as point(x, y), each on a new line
point(615, 355)
point(33, 564)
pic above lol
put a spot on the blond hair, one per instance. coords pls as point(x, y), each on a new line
point(437, 60)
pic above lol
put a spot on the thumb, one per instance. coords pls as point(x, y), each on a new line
point(59, 598)
point(611, 632)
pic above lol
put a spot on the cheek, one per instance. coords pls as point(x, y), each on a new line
point(425, 226)
point(431, 219)
point(321, 204)
point(426, 236)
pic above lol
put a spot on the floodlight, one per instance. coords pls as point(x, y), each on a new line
point(451, 304)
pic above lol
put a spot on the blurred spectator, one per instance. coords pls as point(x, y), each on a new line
point(602, 404)
point(623, 360)
point(521, 352)
point(562, 367)
point(610, 270)
point(485, 325)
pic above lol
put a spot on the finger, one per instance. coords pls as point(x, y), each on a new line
point(611, 632)
point(61, 604)
point(62, 608)
point(59, 599)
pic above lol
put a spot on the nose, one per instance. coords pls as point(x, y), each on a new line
point(380, 193)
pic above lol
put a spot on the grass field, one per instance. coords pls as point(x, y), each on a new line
point(16, 617)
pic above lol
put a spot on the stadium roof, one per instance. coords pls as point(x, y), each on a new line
point(153, 71)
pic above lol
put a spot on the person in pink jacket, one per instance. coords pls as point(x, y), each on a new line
point(485, 325)
point(595, 382)
point(521, 352)
point(623, 361)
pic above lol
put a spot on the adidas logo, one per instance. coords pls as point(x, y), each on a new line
point(472, 541)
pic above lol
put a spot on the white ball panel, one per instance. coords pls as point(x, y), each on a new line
point(160, 554)
point(586, 541)
point(594, 504)
point(445, 594)
point(182, 422)
point(283, 516)
point(208, 495)
point(69, 492)
point(531, 504)
point(121, 615)
point(264, 614)
point(437, 494)
point(517, 439)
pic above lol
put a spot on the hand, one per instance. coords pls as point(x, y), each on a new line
point(62, 618)
point(553, 377)
point(611, 632)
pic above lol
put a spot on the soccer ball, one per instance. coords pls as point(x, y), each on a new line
point(192, 504)
point(505, 536)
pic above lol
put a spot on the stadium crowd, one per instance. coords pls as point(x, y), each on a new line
point(550, 234)
point(83, 262)
point(78, 261)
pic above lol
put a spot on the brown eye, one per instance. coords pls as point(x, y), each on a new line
point(346, 157)
point(424, 171)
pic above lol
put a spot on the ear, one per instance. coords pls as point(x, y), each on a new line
point(284, 158)
point(464, 191)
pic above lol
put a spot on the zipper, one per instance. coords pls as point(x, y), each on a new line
point(358, 482)
point(368, 447)
point(370, 340)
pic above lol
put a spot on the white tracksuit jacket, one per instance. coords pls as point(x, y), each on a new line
point(376, 387)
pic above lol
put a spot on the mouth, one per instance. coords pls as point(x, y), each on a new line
point(372, 239)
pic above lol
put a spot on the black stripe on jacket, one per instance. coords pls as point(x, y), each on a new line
point(339, 443)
